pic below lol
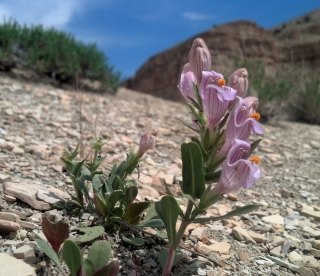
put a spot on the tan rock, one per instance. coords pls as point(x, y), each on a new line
point(242, 235)
point(24, 252)
point(8, 226)
point(7, 263)
point(26, 192)
point(9, 216)
point(274, 219)
point(260, 238)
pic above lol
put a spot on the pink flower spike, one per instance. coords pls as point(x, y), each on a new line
point(187, 80)
point(147, 141)
point(239, 81)
point(215, 98)
point(237, 170)
point(199, 58)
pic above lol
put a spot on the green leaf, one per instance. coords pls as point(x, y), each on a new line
point(151, 219)
point(134, 241)
point(97, 183)
point(72, 256)
point(99, 254)
point(168, 210)
point(192, 170)
point(48, 250)
point(131, 194)
point(88, 267)
point(113, 199)
point(208, 199)
point(100, 205)
point(213, 176)
point(134, 211)
point(254, 145)
point(237, 212)
point(90, 233)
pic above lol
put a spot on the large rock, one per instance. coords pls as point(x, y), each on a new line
point(11, 266)
point(26, 192)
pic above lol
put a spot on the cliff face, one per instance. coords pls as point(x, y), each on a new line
point(290, 43)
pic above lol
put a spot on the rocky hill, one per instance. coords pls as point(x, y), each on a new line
point(294, 42)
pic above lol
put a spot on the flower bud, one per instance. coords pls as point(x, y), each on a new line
point(187, 80)
point(147, 141)
point(239, 81)
point(199, 58)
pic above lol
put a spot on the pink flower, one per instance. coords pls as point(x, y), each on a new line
point(187, 80)
point(147, 141)
point(199, 58)
point(237, 170)
point(239, 81)
point(242, 123)
point(215, 97)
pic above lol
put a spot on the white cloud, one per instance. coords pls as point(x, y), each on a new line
point(49, 13)
point(194, 16)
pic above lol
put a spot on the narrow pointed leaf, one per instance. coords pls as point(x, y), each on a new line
point(134, 241)
point(254, 145)
point(208, 199)
point(237, 212)
point(168, 210)
point(192, 170)
point(47, 249)
point(131, 194)
point(97, 183)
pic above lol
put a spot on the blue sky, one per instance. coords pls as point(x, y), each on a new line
point(131, 31)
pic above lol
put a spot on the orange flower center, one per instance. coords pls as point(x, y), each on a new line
point(255, 116)
point(255, 159)
point(221, 82)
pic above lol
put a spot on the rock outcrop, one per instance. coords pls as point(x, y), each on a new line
point(238, 41)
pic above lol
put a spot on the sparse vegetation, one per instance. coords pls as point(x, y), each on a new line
point(295, 89)
point(53, 53)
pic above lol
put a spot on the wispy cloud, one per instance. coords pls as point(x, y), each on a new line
point(49, 13)
point(194, 16)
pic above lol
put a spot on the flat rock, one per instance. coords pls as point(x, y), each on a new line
point(309, 211)
point(242, 235)
point(26, 193)
point(316, 244)
point(50, 197)
point(9, 216)
point(274, 219)
point(8, 263)
point(8, 226)
point(24, 252)
point(295, 258)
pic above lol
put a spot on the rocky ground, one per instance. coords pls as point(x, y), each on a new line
point(38, 122)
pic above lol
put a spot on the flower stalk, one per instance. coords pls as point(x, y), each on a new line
point(220, 159)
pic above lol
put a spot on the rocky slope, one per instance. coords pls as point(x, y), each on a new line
point(294, 43)
point(37, 122)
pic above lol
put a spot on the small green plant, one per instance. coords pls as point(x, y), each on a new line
point(62, 248)
point(306, 103)
point(55, 54)
point(110, 195)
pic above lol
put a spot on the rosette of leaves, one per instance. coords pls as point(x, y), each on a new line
point(63, 249)
point(113, 194)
